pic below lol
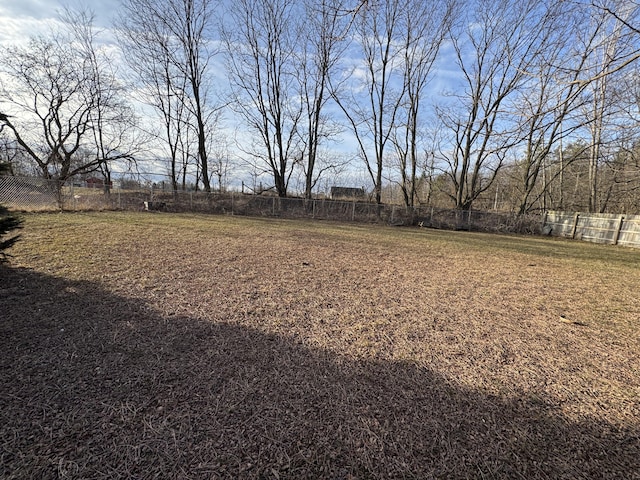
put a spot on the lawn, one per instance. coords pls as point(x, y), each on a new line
point(152, 345)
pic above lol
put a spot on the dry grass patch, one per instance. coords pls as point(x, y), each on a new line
point(186, 346)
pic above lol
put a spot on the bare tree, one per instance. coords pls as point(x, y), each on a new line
point(114, 125)
point(615, 44)
point(625, 15)
point(425, 27)
point(189, 21)
point(323, 43)
point(63, 103)
point(222, 163)
point(260, 47)
point(51, 103)
point(152, 54)
point(371, 107)
point(561, 96)
point(170, 47)
point(11, 154)
point(496, 46)
point(548, 103)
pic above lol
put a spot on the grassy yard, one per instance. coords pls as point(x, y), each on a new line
point(140, 345)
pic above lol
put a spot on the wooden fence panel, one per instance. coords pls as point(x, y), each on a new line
point(630, 231)
point(597, 228)
point(606, 228)
point(560, 224)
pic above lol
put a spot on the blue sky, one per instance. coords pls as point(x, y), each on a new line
point(21, 19)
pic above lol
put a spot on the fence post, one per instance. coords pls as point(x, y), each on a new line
point(616, 235)
point(353, 211)
point(575, 225)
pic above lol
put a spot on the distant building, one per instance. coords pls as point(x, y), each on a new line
point(347, 192)
point(95, 182)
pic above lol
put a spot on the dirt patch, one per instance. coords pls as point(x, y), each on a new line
point(161, 346)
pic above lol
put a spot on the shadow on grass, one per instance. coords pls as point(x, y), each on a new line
point(93, 385)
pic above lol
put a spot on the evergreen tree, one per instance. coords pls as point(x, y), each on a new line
point(8, 223)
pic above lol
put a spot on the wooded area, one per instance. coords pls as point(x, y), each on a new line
point(516, 106)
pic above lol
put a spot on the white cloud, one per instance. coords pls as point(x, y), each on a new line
point(38, 9)
point(21, 19)
point(18, 30)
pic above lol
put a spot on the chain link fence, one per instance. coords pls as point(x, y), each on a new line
point(33, 194)
point(27, 193)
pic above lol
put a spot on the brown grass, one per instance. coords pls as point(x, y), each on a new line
point(186, 346)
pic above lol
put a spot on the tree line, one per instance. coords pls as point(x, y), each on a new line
point(520, 105)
